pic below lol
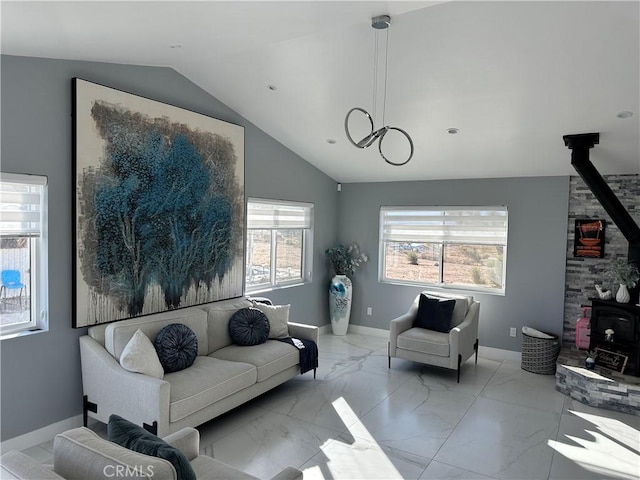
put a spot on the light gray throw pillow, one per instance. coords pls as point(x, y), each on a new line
point(140, 356)
point(278, 316)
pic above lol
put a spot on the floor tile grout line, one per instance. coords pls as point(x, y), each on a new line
point(465, 414)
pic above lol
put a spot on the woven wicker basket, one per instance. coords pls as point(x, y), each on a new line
point(539, 355)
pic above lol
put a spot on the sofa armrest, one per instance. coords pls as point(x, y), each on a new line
point(136, 397)
point(463, 337)
point(17, 465)
point(301, 330)
point(187, 440)
point(288, 473)
point(396, 327)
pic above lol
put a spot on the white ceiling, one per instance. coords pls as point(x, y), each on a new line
point(514, 77)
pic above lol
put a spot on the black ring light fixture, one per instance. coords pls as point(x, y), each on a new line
point(376, 135)
point(381, 22)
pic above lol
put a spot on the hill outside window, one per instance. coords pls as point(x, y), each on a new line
point(279, 244)
point(462, 248)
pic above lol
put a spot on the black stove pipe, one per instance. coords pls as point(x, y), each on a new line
point(580, 145)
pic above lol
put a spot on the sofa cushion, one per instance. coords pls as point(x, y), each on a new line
point(81, 453)
point(132, 436)
point(118, 334)
point(177, 347)
point(218, 315)
point(424, 341)
point(278, 316)
point(270, 358)
point(16, 465)
point(248, 326)
point(205, 382)
point(434, 314)
point(140, 356)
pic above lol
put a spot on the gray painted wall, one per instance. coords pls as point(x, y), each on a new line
point(535, 256)
point(40, 373)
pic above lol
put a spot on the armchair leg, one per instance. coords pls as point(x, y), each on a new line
point(389, 353)
point(459, 364)
point(475, 347)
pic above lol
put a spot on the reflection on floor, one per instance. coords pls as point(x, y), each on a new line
point(360, 420)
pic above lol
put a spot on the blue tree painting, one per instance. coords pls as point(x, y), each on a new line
point(160, 216)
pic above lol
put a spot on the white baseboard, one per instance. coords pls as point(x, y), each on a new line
point(41, 435)
point(499, 354)
point(324, 329)
point(486, 352)
point(374, 332)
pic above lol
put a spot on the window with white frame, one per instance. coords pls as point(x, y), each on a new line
point(279, 244)
point(447, 247)
point(23, 253)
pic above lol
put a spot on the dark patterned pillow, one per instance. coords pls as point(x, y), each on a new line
point(249, 326)
point(131, 436)
point(177, 347)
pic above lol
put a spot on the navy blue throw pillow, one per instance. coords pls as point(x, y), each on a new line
point(249, 326)
point(434, 314)
point(131, 436)
point(177, 347)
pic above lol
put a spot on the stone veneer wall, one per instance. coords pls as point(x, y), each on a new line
point(583, 273)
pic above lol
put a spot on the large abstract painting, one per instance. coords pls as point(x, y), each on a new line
point(159, 206)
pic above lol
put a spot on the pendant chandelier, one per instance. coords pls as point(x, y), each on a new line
point(381, 22)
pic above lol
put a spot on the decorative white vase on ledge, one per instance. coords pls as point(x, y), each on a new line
point(623, 294)
point(340, 292)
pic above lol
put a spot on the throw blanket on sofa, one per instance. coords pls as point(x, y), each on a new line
point(308, 352)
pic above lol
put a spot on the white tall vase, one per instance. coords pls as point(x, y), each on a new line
point(623, 294)
point(340, 292)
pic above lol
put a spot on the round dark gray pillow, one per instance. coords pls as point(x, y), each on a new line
point(177, 347)
point(249, 326)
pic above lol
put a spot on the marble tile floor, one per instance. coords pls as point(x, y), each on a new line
point(360, 420)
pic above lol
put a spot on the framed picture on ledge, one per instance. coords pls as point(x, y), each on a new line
point(158, 208)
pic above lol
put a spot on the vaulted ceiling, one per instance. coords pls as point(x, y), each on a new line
point(513, 77)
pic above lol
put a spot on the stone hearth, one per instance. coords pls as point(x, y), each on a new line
point(600, 388)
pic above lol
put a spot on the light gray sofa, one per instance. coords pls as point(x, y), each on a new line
point(448, 350)
point(81, 454)
point(222, 377)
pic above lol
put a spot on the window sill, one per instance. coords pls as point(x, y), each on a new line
point(443, 288)
point(22, 333)
point(271, 288)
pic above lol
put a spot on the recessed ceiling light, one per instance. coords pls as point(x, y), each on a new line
point(331, 141)
point(453, 131)
point(175, 45)
point(624, 114)
point(273, 88)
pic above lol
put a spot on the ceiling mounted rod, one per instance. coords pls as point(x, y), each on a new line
point(580, 145)
point(381, 22)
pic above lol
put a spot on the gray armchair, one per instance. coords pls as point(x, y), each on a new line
point(81, 454)
point(448, 350)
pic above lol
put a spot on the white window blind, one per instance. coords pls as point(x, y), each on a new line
point(461, 225)
point(21, 205)
point(263, 214)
